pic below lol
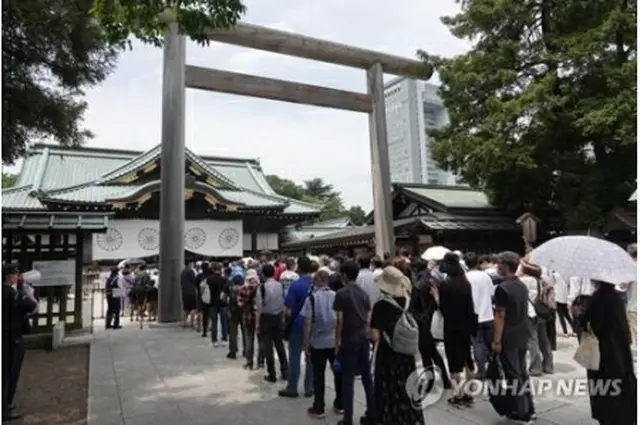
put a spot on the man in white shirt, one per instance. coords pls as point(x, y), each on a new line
point(562, 292)
point(365, 279)
point(539, 346)
point(482, 290)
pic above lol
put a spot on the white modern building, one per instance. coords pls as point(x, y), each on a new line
point(414, 107)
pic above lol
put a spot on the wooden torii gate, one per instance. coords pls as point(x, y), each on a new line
point(177, 76)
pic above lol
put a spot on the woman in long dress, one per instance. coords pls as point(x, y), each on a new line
point(606, 317)
point(423, 307)
point(460, 323)
point(392, 369)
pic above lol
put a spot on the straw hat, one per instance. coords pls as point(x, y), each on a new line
point(530, 269)
point(393, 282)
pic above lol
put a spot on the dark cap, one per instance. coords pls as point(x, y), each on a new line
point(510, 259)
point(10, 268)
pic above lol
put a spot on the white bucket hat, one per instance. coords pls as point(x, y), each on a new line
point(393, 282)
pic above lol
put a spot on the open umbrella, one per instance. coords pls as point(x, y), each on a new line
point(130, 262)
point(435, 253)
point(586, 257)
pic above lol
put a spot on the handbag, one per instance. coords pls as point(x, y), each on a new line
point(437, 326)
point(543, 311)
point(588, 353)
point(499, 397)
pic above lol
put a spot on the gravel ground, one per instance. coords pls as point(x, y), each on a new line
point(53, 387)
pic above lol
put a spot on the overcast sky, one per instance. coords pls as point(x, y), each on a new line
point(292, 141)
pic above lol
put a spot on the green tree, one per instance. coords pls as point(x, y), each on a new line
point(314, 191)
point(51, 51)
point(8, 180)
point(357, 215)
point(332, 208)
point(123, 20)
point(317, 188)
point(285, 187)
point(542, 110)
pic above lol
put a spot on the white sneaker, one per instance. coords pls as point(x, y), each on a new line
point(216, 344)
point(224, 343)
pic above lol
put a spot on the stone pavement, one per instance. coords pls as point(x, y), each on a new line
point(170, 376)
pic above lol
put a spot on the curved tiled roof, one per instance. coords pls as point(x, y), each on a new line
point(86, 175)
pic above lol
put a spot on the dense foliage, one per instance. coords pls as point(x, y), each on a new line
point(542, 109)
point(51, 51)
point(8, 180)
point(316, 191)
point(123, 20)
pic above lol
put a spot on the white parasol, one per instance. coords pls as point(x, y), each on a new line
point(586, 257)
point(130, 262)
point(435, 253)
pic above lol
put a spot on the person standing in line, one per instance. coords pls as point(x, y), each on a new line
point(377, 266)
point(561, 288)
point(247, 305)
point(325, 264)
point(455, 301)
point(580, 291)
point(230, 295)
point(114, 293)
point(365, 278)
point(511, 333)
point(319, 342)
point(294, 302)
point(605, 317)
point(279, 267)
point(353, 335)
point(632, 300)
point(17, 304)
point(289, 275)
point(187, 283)
point(270, 313)
point(548, 286)
point(393, 368)
point(217, 284)
point(541, 300)
point(203, 290)
point(335, 281)
point(482, 290)
point(139, 292)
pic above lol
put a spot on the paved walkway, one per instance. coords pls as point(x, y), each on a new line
point(172, 376)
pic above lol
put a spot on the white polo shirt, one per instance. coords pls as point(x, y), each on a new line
point(482, 290)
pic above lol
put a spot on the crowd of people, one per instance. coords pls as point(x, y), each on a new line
point(132, 290)
point(382, 318)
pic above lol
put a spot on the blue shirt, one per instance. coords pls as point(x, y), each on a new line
point(296, 295)
point(323, 318)
point(236, 271)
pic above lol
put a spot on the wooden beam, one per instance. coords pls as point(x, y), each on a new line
point(291, 44)
point(269, 88)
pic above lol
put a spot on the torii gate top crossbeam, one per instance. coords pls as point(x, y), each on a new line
point(287, 43)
